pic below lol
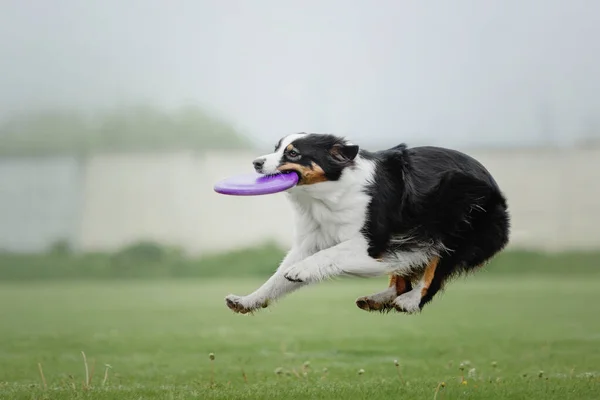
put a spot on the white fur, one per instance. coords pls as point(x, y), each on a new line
point(328, 241)
point(409, 301)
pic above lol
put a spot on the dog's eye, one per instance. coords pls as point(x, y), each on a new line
point(293, 153)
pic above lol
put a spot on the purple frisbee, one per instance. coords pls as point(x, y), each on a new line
point(256, 184)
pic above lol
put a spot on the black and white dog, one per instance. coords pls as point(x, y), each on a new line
point(422, 215)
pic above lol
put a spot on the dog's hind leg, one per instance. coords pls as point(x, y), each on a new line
point(382, 301)
point(410, 302)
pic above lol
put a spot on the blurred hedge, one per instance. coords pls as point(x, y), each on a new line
point(135, 128)
point(149, 260)
point(143, 260)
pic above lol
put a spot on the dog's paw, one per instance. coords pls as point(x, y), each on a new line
point(236, 304)
point(293, 278)
point(408, 302)
point(297, 274)
point(368, 304)
point(241, 305)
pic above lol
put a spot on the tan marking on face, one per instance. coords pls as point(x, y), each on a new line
point(308, 175)
point(290, 147)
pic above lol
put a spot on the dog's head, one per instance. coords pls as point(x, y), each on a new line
point(314, 157)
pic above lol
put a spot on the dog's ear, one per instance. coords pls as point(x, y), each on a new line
point(344, 152)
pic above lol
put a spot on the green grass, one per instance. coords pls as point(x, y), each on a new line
point(157, 335)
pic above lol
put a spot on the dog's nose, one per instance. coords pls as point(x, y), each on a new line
point(258, 163)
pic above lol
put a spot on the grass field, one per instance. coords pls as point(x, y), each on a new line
point(157, 335)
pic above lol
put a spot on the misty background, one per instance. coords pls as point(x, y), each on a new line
point(117, 117)
point(460, 73)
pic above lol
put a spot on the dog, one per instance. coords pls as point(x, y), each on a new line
point(421, 215)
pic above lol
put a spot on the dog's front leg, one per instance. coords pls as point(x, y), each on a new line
point(350, 257)
point(275, 287)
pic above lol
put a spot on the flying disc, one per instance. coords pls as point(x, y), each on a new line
point(256, 184)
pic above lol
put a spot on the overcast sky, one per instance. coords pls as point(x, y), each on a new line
point(452, 72)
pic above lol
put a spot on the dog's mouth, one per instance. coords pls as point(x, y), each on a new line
point(283, 172)
point(290, 171)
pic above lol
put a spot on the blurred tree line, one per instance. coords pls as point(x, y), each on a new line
point(136, 128)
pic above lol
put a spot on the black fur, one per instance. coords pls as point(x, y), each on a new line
point(430, 196)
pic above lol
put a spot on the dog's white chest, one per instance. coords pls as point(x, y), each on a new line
point(329, 213)
point(323, 224)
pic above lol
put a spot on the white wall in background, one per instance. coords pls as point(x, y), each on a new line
point(114, 200)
